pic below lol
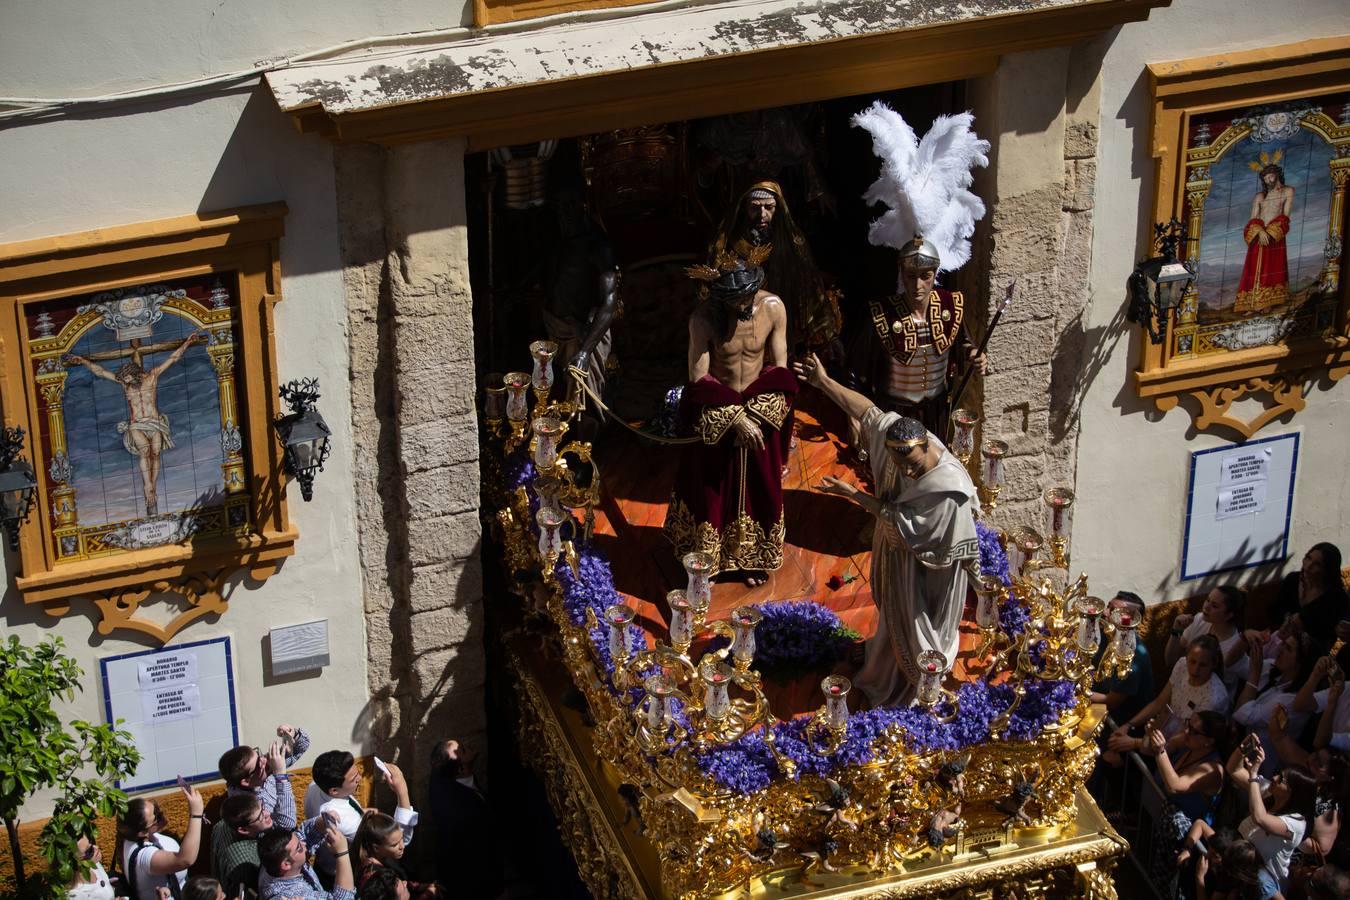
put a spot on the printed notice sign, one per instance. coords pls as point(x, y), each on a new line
point(178, 705)
point(165, 669)
point(1241, 500)
point(1238, 505)
point(1251, 465)
point(171, 704)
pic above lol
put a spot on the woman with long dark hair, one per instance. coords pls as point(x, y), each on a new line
point(1277, 683)
point(1281, 810)
point(150, 858)
point(1316, 592)
point(1221, 616)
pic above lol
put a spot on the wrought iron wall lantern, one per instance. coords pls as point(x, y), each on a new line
point(303, 433)
point(17, 485)
point(1158, 285)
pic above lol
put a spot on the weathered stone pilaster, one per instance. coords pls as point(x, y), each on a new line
point(1040, 110)
point(405, 256)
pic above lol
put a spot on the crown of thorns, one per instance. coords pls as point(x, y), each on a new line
point(727, 261)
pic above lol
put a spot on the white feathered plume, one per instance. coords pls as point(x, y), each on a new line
point(925, 183)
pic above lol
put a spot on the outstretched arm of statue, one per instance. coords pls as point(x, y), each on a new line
point(840, 488)
point(608, 287)
point(813, 373)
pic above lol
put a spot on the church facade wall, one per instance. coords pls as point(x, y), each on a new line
point(1132, 462)
point(140, 163)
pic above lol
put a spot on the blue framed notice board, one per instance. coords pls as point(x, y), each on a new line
point(178, 704)
point(1238, 503)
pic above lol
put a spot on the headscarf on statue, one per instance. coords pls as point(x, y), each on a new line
point(790, 271)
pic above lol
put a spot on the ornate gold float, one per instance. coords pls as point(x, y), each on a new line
point(1007, 816)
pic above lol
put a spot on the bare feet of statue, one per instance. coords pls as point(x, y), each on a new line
point(755, 579)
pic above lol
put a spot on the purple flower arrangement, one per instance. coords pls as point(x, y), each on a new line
point(519, 470)
point(746, 765)
point(993, 559)
point(798, 635)
point(1013, 617)
point(592, 586)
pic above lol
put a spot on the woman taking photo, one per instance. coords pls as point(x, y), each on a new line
point(1191, 772)
point(1280, 810)
point(1277, 683)
point(152, 859)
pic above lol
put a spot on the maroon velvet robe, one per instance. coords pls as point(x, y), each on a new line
point(728, 500)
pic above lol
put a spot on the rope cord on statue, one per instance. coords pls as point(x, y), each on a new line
point(581, 380)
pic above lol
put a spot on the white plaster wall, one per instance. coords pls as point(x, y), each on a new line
point(1133, 462)
point(182, 158)
point(65, 48)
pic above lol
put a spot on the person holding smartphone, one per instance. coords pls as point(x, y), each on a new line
point(1196, 685)
point(1333, 729)
point(1281, 682)
point(1281, 809)
point(287, 874)
point(151, 858)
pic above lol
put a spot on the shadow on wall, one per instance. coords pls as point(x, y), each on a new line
point(426, 694)
point(1236, 570)
point(266, 160)
point(158, 607)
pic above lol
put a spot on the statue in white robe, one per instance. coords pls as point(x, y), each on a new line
point(922, 548)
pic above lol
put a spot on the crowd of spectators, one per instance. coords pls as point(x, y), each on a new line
point(1247, 741)
point(261, 850)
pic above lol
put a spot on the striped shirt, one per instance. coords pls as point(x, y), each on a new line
point(267, 792)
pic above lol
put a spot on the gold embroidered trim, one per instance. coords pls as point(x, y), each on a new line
point(742, 545)
point(771, 409)
point(715, 421)
point(942, 334)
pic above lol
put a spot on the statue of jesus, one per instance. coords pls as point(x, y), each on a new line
point(728, 496)
point(145, 433)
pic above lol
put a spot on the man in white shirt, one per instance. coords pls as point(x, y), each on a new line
point(332, 793)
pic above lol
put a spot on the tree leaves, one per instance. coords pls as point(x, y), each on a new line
point(38, 752)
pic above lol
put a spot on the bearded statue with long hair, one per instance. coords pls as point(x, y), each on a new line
point(761, 222)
